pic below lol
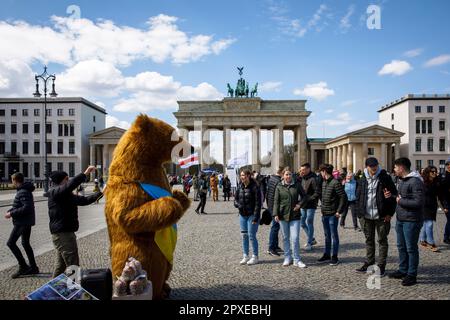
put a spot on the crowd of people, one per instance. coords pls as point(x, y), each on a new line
point(373, 196)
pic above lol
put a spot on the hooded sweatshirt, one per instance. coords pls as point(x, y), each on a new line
point(372, 184)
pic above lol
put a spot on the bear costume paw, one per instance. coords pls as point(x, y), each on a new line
point(182, 198)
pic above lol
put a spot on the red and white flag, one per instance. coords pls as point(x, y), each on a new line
point(192, 160)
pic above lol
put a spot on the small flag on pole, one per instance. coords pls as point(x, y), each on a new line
point(187, 162)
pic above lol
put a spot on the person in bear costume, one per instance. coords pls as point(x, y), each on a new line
point(141, 209)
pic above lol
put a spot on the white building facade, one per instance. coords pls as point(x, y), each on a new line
point(70, 121)
point(425, 120)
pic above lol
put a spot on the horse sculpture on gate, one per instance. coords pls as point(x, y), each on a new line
point(254, 92)
point(230, 90)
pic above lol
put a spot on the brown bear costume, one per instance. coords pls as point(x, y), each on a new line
point(133, 217)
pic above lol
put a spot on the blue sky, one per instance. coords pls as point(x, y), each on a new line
point(117, 53)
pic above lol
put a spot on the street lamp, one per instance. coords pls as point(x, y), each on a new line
point(45, 77)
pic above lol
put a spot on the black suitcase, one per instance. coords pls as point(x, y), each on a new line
point(98, 282)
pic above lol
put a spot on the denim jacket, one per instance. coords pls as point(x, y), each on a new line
point(350, 190)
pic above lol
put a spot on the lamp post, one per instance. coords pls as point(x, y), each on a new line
point(45, 77)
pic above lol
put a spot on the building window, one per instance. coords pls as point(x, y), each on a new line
point(72, 130)
point(441, 145)
point(441, 125)
point(60, 112)
point(93, 129)
point(430, 163)
point(36, 112)
point(60, 166)
point(71, 169)
point(25, 169)
point(60, 147)
point(66, 130)
point(37, 147)
point(418, 165)
point(13, 113)
point(430, 126)
point(49, 147)
point(392, 116)
point(25, 147)
point(13, 148)
point(37, 169)
point(392, 127)
point(93, 118)
point(37, 128)
point(371, 151)
point(60, 130)
point(441, 166)
point(2, 147)
point(71, 147)
point(417, 126)
point(441, 109)
point(25, 112)
point(49, 167)
point(24, 128)
point(71, 112)
point(418, 145)
point(49, 112)
point(49, 128)
point(418, 109)
point(13, 128)
point(2, 128)
point(424, 126)
point(430, 145)
point(2, 112)
point(429, 109)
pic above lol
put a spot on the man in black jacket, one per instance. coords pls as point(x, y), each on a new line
point(248, 201)
point(375, 211)
point(24, 217)
point(310, 184)
point(274, 180)
point(63, 212)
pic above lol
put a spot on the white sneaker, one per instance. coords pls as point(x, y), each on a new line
point(308, 247)
point(300, 264)
point(244, 260)
point(252, 261)
point(287, 262)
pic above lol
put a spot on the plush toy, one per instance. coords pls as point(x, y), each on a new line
point(141, 209)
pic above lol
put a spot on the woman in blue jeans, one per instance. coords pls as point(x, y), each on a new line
point(431, 189)
point(286, 210)
point(248, 200)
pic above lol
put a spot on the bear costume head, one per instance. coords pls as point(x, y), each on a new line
point(141, 224)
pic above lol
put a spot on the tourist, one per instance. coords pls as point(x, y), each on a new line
point(333, 199)
point(350, 190)
point(248, 201)
point(274, 180)
point(410, 203)
point(226, 188)
point(214, 183)
point(431, 193)
point(23, 218)
point(202, 191)
point(289, 197)
point(63, 213)
point(311, 186)
point(375, 211)
point(195, 186)
point(445, 198)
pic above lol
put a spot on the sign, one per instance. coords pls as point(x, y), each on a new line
point(233, 177)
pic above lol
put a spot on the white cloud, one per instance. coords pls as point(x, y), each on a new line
point(396, 68)
point(413, 53)
point(345, 21)
point(318, 91)
point(437, 61)
point(114, 122)
point(270, 86)
point(70, 41)
point(329, 111)
point(152, 81)
point(340, 120)
point(91, 78)
point(348, 103)
point(16, 79)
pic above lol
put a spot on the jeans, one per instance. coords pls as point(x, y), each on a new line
point(382, 229)
point(307, 223)
point(248, 231)
point(408, 250)
point(330, 228)
point(291, 232)
point(16, 233)
point(426, 234)
point(66, 251)
point(273, 235)
point(447, 227)
point(350, 205)
point(202, 203)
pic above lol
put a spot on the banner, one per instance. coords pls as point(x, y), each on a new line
point(240, 161)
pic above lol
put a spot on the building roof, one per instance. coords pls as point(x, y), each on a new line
point(54, 100)
point(111, 131)
point(371, 130)
point(415, 97)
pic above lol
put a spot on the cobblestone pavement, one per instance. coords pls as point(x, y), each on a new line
point(207, 265)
